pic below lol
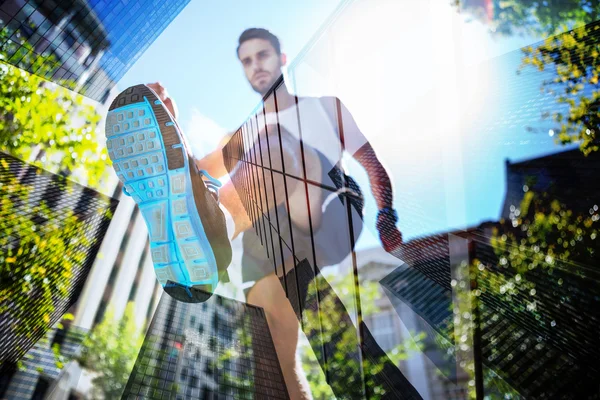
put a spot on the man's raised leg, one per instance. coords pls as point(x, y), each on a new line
point(284, 326)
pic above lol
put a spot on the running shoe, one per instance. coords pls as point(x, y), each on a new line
point(188, 234)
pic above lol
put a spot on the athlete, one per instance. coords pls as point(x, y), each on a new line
point(179, 199)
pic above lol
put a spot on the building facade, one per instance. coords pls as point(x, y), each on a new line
point(44, 272)
point(84, 46)
point(87, 47)
point(492, 298)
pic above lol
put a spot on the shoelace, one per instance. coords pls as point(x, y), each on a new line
point(212, 184)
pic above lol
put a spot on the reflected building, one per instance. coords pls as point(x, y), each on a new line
point(353, 362)
point(519, 328)
point(532, 324)
point(84, 46)
point(393, 323)
point(40, 374)
point(41, 214)
point(218, 349)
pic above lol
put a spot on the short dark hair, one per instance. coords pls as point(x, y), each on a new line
point(258, 33)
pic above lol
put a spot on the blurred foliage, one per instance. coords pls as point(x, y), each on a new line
point(40, 250)
point(327, 324)
point(50, 127)
point(574, 60)
point(44, 343)
point(531, 17)
point(110, 352)
point(543, 234)
point(540, 236)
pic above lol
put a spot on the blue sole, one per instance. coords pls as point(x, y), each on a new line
point(180, 250)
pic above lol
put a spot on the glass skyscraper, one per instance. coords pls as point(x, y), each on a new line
point(353, 362)
point(507, 306)
point(85, 46)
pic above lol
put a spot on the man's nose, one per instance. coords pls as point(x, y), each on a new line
point(256, 66)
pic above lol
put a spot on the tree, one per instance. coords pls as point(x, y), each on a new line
point(110, 352)
point(50, 127)
point(531, 17)
point(37, 260)
point(574, 59)
point(328, 324)
point(542, 254)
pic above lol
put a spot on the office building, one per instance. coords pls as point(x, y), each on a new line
point(85, 46)
point(218, 349)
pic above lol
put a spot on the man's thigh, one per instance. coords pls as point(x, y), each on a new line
point(283, 323)
point(265, 292)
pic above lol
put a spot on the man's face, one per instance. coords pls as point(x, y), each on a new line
point(262, 65)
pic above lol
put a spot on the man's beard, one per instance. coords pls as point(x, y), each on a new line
point(266, 87)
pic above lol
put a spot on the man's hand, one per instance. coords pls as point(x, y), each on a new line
point(390, 236)
point(163, 95)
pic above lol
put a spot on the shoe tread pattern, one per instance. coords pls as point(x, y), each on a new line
point(148, 157)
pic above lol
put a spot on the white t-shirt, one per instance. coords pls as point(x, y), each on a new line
point(316, 127)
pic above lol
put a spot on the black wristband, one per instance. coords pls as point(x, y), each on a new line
point(388, 212)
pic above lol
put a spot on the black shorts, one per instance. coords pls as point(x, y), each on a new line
point(331, 241)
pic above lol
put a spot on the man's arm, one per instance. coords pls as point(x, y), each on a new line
point(358, 146)
point(381, 186)
point(213, 162)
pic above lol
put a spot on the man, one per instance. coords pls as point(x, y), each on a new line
point(308, 147)
point(262, 60)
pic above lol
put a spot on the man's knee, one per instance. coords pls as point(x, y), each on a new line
point(273, 152)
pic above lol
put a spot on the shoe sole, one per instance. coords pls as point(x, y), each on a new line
point(149, 157)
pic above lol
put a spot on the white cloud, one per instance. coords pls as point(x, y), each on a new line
point(202, 133)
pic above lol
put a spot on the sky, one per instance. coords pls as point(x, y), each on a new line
point(195, 59)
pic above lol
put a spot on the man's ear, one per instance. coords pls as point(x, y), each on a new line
point(283, 58)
